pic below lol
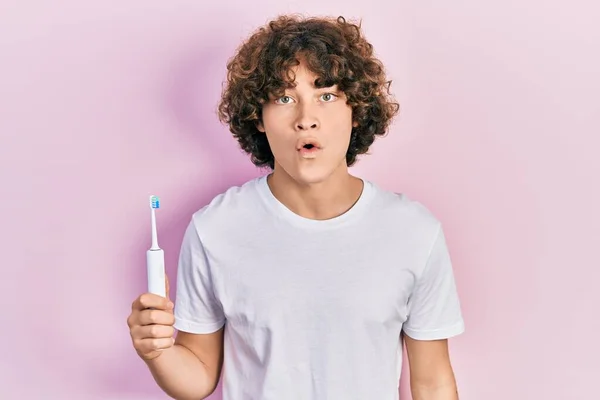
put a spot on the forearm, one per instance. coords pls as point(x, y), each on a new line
point(181, 375)
point(447, 391)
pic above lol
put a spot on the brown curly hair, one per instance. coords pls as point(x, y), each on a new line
point(334, 50)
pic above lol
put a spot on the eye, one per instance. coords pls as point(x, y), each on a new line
point(283, 100)
point(327, 97)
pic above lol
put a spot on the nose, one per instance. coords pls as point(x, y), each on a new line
point(306, 125)
point(306, 119)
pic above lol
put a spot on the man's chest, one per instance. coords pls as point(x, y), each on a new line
point(268, 284)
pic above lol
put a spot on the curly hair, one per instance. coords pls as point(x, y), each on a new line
point(334, 50)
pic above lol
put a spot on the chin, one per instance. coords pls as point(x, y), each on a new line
point(311, 178)
point(311, 174)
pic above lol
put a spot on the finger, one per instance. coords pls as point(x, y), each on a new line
point(159, 317)
point(167, 287)
point(152, 332)
point(149, 345)
point(150, 300)
point(170, 305)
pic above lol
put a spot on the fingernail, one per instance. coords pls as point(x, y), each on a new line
point(170, 304)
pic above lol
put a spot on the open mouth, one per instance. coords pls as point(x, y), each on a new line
point(308, 148)
point(308, 143)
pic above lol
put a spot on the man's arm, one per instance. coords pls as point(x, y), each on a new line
point(431, 374)
point(191, 368)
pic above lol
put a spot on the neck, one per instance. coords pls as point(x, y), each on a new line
point(320, 201)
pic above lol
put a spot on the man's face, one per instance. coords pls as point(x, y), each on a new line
point(305, 116)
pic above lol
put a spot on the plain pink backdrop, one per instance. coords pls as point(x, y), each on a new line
point(103, 103)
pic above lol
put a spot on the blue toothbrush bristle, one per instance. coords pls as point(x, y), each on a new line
point(155, 202)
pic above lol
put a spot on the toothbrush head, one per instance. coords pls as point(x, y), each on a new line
point(154, 202)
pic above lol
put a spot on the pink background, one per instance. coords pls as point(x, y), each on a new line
point(103, 103)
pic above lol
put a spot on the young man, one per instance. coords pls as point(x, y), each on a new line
point(305, 283)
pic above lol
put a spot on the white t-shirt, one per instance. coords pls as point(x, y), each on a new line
point(314, 309)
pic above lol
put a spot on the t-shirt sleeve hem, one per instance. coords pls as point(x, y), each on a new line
point(436, 334)
point(197, 327)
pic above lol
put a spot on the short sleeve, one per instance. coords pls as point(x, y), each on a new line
point(196, 308)
point(434, 310)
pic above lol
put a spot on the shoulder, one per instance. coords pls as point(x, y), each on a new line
point(413, 226)
point(229, 208)
point(228, 213)
point(399, 207)
point(407, 221)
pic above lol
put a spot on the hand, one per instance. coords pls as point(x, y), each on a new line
point(151, 324)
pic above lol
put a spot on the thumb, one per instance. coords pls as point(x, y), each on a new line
point(167, 287)
point(171, 305)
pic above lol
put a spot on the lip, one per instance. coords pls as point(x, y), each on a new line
point(308, 140)
point(308, 153)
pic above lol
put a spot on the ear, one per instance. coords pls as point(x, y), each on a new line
point(260, 126)
point(355, 124)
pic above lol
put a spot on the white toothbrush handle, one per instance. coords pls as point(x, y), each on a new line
point(155, 260)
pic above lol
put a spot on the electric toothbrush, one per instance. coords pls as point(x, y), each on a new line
point(155, 257)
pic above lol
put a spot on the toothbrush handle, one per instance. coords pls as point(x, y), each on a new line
point(155, 260)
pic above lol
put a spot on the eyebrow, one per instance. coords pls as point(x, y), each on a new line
point(335, 87)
